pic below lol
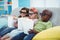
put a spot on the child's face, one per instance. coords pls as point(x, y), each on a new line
point(45, 17)
point(32, 15)
point(23, 13)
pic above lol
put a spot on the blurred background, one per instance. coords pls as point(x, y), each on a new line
point(12, 7)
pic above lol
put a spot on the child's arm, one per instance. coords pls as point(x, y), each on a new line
point(33, 31)
point(16, 24)
point(5, 37)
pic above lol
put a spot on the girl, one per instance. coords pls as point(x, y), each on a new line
point(33, 15)
point(23, 13)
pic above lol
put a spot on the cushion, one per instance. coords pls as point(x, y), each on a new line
point(49, 34)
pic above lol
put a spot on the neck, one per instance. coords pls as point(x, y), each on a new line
point(44, 21)
point(32, 18)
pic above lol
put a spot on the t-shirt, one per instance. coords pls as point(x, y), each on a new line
point(25, 24)
point(40, 25)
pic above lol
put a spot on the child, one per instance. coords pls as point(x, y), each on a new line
point(10, 26)
point(24, 11)
point(41, 25)
point(33, 17)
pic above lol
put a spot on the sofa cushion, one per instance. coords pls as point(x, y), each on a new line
point(49, 34)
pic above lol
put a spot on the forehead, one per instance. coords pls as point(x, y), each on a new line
point(23, 10)
point(47, 13)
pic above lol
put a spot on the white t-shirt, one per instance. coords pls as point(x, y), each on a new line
point(25, 24)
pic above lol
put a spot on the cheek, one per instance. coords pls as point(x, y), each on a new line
point(21, 14)
point(44, 18)
point(31, 16)
point(34, 15)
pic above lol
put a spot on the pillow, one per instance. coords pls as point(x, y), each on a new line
point(49, 34)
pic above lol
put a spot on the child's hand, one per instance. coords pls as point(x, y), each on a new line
point(15, 25)
point(31, 31)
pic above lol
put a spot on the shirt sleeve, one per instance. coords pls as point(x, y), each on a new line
point(39, 26)
point(49, 25)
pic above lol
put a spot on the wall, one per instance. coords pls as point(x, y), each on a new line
point(14, 4)
point(24, 3)
point(45, 3)
point(53, 5)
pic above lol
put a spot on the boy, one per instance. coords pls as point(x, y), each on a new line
point(41, 25)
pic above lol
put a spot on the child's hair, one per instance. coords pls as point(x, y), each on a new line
point(46, 15)
point(27, 11)
point(34, 10)
point(24, 8)
point(49, 12)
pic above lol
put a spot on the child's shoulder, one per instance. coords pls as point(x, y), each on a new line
point(49, 22)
